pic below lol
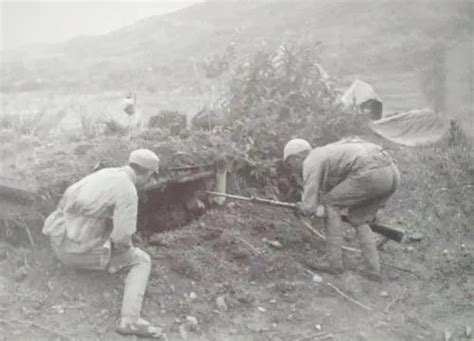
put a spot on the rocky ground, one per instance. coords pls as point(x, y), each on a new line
point(238, 272)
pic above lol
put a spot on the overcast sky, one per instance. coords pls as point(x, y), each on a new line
point(28, 22)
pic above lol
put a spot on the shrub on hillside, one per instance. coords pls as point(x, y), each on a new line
point(172, 120)
point(24, 124)
point(274, 96)
point(282, 93)
point(87, 119)
point(112, 127)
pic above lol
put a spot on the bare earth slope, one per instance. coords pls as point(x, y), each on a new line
point(268, 293)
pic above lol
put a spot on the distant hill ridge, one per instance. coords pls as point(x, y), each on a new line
point(160, 51)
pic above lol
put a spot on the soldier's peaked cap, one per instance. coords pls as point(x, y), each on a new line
point(145, 158)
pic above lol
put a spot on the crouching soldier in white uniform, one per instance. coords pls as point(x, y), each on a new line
point(92, 228)
point(352, 175)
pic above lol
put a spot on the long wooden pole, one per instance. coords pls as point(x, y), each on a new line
point(221, 180)
point(387, 231)
point(255, 200)
point(305, 223)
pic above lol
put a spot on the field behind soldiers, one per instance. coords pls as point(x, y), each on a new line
point(238, 271)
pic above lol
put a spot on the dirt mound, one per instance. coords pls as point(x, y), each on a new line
point(48, 169)
point(230, 238)
point(226, 270)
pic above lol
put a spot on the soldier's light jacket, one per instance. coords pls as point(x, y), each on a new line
point(327, 166)
point(102, 206)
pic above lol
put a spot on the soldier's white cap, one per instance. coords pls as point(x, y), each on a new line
point(145, 158)
point(294, 147)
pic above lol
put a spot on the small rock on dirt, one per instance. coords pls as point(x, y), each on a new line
point(410, 248)
point(20, 274)
point(383, 293)
point(274, 243)
point(468, 331)
point(58, 308)
point(221, 303)
point(317, 278)
point(104, 312)
point(262, 309)
point(416, 237)
point(192, 295)
point(192, 320)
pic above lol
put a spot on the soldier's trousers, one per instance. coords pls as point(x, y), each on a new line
point(101, 258)
point(362, 194)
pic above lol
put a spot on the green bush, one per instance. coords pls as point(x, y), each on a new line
point(274, 96)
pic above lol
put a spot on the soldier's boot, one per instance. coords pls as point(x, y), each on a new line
point(369, 252)
point(334, 263)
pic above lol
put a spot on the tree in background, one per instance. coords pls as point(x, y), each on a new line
point(278, 94)
point(285, 89)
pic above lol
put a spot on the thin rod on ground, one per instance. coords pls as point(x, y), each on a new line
point(342, 293)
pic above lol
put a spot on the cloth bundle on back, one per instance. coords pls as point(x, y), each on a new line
point(412, 128)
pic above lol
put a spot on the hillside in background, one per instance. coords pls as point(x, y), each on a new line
point(240, 271)
point(165, 51)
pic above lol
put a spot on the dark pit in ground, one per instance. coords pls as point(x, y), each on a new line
point(173, 205)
